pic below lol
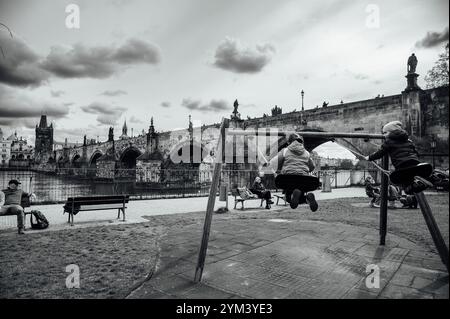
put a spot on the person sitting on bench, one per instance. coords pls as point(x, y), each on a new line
point(373, 192)
point(10, 199)
point(260, 190)
point(295, 160)
point(400, 149)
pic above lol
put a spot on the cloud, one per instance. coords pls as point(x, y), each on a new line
point(21, 66)
point(57, 93)
point(98, 62)
point(213, 106)
point(136, 120)
point(106, 114)
point(165, 104)
point(114, 93)
point(357, 76)
point(433, 39)
point(231, 56)
point(136, 51)
point(20, 111)
point(19, 63)
point(14, 104)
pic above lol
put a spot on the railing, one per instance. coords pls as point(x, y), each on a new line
point(146, 183)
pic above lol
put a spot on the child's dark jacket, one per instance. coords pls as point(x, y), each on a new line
point(399, 148)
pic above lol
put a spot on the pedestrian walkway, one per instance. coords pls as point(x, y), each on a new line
point(138, 208)
point(294, 259)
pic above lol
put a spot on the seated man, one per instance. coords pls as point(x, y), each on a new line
point(10, 199)
point(259, 189)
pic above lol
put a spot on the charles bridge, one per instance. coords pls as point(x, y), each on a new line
point(423, 112)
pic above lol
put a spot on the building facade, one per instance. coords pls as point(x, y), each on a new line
point(5, 150)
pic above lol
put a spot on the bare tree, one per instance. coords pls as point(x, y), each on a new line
point(439, 73)
point(10, 33)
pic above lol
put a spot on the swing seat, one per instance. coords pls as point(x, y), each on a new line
point(405, 176)
point(305, 183)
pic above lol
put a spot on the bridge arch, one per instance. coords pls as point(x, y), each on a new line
point(357, 145)
point(94, 157)
point(76, 160)
point(128, 157)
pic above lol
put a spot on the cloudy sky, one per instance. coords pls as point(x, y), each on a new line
point(134, 59)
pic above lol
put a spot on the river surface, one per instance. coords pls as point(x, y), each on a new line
point(54, 188)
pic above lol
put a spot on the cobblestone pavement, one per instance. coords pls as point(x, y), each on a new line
point(265, 256)
point(256, 253)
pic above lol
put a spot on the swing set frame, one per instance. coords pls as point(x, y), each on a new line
point(425, 208)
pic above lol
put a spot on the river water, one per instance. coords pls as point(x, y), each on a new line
point(54, 188)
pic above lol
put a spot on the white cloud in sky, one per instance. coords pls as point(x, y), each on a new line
point(161, 53)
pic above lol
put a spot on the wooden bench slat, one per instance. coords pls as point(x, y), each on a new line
point(106, 206)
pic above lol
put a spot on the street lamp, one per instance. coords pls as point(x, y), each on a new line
point(303, 94)
point(433, 148)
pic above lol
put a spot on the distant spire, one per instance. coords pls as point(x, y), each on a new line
point(124, 128)
point(151, 129)
point(43, 122)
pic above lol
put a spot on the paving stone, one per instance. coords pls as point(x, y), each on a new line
point(400, 292)
point(360, 294)
point(396, 254)
point(323, 289)
point(400, 279)
point(201, 291)
point(173, 285)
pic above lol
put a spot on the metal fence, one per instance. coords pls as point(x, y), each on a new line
point(56, 187)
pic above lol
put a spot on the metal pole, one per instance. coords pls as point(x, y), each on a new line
point(433, 160)
point(384, 200)
point(211, 202)
point(306, 134)
point(433, 228)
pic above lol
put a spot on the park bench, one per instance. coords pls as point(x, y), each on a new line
point(282, 197)
point(242, 194)
point(74, 205)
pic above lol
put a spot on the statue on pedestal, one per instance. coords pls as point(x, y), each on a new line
point(236, 114)
point(412, 64)
point(412, 75)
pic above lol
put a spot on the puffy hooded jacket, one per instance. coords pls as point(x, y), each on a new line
point(293, 160)
point(399, 147)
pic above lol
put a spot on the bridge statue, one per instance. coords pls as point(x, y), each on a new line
point(412, 64)
point(236, 114)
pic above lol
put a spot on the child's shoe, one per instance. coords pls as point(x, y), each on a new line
point(311, 200)
point(295, 198)
point(420, 184)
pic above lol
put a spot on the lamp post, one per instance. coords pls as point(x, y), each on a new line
point(433, 148)
point(303, 94)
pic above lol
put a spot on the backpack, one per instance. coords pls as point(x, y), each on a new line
point(41, 221)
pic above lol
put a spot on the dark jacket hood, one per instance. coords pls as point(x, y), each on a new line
point(296, 148)
point(398, 136)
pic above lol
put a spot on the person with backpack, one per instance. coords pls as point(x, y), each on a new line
point(10, 200)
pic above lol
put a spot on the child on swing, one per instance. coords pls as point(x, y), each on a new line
point(400, 148)
point(296, 160)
